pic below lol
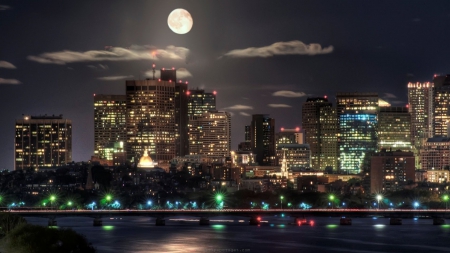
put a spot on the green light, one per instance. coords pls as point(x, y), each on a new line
point(219, 197)
point(445, 197)
point(445, 226)
point(331, 197)
point(52, 198)
point(69, 203)
point(108, 197)
point(331, 226)
point(108, 227)
point(281, 197)
point(218, 227)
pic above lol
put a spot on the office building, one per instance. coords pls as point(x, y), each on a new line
point(441, 110)
point(319, 124)
point(110, 132)
point(210, 135)
point(394, 129)
point(42, 141)
point(200, 102)
point(420, 106)
point(391, 170)
point(150, 120)
point(435, 154)
point(263, 139)
point(296, 155)
point(289, 136)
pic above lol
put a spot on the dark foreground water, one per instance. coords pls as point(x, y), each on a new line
point(275, 234)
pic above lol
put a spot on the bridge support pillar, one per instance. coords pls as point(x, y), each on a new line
point(438, 221)
point(345, 221)
point(160, 222)
point(98, 222)
point(255, 221)
point(204, 221)
point(52, 222)
point(395, 221)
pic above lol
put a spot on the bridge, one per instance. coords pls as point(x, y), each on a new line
point(253, 214)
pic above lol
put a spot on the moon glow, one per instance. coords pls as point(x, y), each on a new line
point(180, 21)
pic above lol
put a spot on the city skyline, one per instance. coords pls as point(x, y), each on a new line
point(312, 48)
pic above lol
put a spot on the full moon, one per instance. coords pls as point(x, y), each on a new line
point(180, 21)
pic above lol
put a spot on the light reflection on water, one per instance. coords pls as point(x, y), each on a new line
point(139, 234)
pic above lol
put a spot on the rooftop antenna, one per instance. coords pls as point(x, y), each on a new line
point(154, 71)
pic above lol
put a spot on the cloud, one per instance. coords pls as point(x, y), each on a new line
point(389, 95)
point(114, 78)
point(9, 81)
point(288, 94)
point(279, 105)
point(4, 7)
point(112, 54)
point(245, 114)
point(398, 102)
point(239, 107)
point(99, 66)
point(294, 47)
point(6, 65)
point(182, 73)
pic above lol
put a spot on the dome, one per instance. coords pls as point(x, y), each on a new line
point(146, 161)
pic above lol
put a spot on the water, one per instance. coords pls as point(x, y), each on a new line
point(275, 234)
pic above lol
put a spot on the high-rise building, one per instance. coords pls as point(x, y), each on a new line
point(263, 139)
point(200, 102)
point(394, 129)
point(391, 170)
point(319, 124)
point(150, 120)
point(246, 145)
point(110, 131)
point(357, 124)
point(420, 105)
point(42, 141)
point(357, 138)
point(210, 135)
point(441, 109)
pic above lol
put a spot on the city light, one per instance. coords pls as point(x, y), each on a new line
point(379, 197)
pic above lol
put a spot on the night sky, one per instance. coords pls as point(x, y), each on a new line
point(260, 56)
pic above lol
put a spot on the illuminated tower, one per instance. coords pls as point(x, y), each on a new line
point(110, 132)
point(150, 119)
point(263, 139)
point(200, 102)
point(357, 124)
point(441, 108)
point(394, 129)
point(42, 141)
point(210, 135)
point(319, 124)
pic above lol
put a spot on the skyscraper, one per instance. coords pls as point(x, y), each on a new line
point(441, 102)
point(420, 106)
point(210, 135)
point(150, 119)
point(357, 116)
point(42, 141)
point(319, 124)
point(263, 139)
point(394, 129)
point(110, 132)
point(200, 102)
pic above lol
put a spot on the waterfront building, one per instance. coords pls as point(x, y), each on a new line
point(319, 124)
point(110, 132)
point(42, 141)
point(391, 170)
point(438, 176)
point(394, 129)
point(441, 101)
point(263, 139)
point(210, 135)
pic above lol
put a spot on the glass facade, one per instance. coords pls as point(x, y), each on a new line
point(394, 129)
point(200, 102)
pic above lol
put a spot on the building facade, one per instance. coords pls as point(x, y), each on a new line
point(391, 171)
point(441, 110)
point(42, 141)
point(110, 132)
point(200, 102)
point(394, 129)
point(210, 135)
point(150, 120)
point(263, 139)
point(435, 153)
point(319, 124)
point(296, 155)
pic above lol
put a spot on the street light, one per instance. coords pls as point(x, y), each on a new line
point(379, 197)
point(332, 200)
point(416, 205)
point(445, 198)
point(52, 198)
point(281, 201)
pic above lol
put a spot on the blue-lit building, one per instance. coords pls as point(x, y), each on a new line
point(357, 137)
